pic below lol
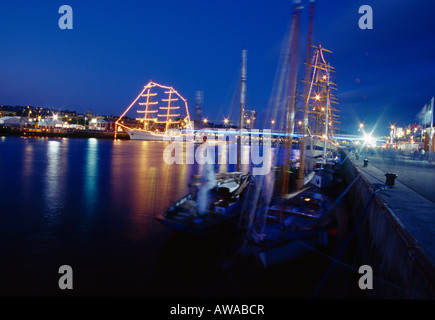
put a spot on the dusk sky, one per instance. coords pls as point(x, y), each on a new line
point(116, 47)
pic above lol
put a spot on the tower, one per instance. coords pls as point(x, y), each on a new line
point(198, 108)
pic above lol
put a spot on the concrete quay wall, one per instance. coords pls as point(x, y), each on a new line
point(402, 267)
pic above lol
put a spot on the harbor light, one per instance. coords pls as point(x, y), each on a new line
point(369, 140)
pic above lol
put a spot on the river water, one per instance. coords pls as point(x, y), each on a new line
point(91, 204)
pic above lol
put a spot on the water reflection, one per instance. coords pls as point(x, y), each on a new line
point(137, 186)
point(28, 165)
point(91, 175)
point(142, 196)
point(142, 184)
point(53, 195)
point(28, 161)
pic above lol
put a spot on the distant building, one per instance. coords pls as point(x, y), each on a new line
point(11, 121)
point(249, 119)
point(198, 110)
point(5, 113)
point(427, 145)
point(89, 114)
point(98, 123)
point(67, 114)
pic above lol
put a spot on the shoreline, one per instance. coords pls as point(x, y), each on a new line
point(55, 133)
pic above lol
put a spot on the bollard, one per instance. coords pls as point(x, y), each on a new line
point(390, 179)
point(366, 162)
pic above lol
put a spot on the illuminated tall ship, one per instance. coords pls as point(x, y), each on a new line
point(159, 119)
point(322, 117)
point(320, 120)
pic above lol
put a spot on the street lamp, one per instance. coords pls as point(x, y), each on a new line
point(392, 133)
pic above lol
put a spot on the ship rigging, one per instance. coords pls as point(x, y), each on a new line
point(159, 118)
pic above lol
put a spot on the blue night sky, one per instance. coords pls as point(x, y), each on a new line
point(116, 47)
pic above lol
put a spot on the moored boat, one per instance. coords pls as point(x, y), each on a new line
point(293, 226)
point(223, 205)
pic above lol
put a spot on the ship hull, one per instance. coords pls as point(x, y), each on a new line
point(144, 135)
point(148, 136)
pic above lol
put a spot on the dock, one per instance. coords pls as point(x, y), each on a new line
point(59, 133)
point(397, 228)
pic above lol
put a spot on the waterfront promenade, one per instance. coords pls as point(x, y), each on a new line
point(417, 175)
point(411, 199)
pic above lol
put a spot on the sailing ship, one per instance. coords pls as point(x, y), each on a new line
point(323, 148)
point(161, 120)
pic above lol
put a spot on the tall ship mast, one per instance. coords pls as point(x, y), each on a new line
point(149, 117)
point(322, 115)
point(158, 118)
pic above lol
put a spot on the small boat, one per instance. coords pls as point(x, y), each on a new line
point(327, 173)
point(292, 226)
point(223, 205)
